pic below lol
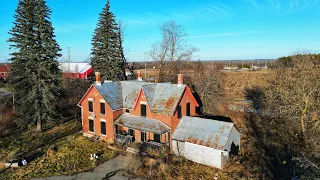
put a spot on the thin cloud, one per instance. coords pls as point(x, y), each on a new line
point(283, 5)
point(225, 34)
point(254, 3)
point(211, 10)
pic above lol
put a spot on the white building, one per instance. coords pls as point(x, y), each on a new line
point(205, 141)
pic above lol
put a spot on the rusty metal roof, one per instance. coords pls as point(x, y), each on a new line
point(142, 124)
point(162, 98)
point(206, 132)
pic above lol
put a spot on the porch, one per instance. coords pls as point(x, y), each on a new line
point(145, 132)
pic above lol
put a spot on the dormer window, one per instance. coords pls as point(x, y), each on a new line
point(143, 108)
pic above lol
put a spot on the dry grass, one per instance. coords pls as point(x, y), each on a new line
point(235, 83)
point(66, 155)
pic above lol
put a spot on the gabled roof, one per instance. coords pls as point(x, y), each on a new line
point(206, 132)
point(142, 124)
point(162, 98)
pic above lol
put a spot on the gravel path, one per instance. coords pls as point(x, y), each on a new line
point(112, 170)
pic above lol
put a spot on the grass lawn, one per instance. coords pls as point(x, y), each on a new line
point(64, 151)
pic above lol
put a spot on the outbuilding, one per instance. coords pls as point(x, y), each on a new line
point(206, 141)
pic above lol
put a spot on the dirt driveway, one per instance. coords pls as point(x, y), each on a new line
point(112, 170)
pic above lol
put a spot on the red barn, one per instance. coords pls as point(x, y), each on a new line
point(4, 72)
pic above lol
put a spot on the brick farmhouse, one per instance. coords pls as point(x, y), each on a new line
point(150, 113)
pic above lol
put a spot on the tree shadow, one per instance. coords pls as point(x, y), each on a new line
point(256, 95)
point(217, 118)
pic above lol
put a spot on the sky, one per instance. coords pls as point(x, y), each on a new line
point(221, 30)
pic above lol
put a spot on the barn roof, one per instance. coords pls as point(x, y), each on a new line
point(75, 67)
point(206, 132)
point(162, 98)
point(142, 124)
point(4, 68)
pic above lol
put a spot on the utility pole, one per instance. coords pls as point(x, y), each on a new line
point(145, 70)
point(69, 59)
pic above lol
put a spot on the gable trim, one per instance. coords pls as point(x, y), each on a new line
point(84, 95)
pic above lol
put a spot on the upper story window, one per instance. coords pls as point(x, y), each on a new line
point(102, 108)
point(3, 74)
point(179, 112)
point(90, 106)
point(143, 108)
point(188, 109)
point(127, 111)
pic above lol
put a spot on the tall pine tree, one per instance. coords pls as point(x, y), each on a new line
point(106, 53)
point(36, 77)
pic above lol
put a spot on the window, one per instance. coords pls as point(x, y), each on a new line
point(179, 112)
point(157, 138)
point(90, 106)
point(143, 110)
point(116, 129)
point(188, 109)
point(103, 127)
point(127, 111)
point(91, 125)
point(143, 137)
point(102, 108)
point(2, 74)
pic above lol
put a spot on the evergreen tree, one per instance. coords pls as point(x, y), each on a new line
point(106, 51)
point(36, 77)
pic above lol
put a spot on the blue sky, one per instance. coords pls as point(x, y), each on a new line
point(225, 29)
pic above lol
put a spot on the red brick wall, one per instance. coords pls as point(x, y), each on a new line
point(109, 116)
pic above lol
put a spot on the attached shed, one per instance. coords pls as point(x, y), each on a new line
point(205, 141)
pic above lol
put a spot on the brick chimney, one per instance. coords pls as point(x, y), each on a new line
point(180, 80)
point(98, 79)
point(139, 75)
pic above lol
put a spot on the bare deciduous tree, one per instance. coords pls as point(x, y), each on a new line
point(172, 47)
point(293, 103)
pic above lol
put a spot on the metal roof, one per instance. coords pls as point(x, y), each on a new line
point(142, 124)
point(206, 132)
point(162, 98)
point(75, 67)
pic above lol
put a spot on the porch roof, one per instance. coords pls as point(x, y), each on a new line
point(142, 124)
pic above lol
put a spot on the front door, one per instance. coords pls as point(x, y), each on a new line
point(157, 138)
point(143, 137)
point(131, 133)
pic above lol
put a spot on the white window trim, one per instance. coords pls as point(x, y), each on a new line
point(143, 102)
point(102, 100)
point(103, 120)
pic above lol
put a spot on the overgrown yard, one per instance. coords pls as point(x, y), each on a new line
point(58, 151)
